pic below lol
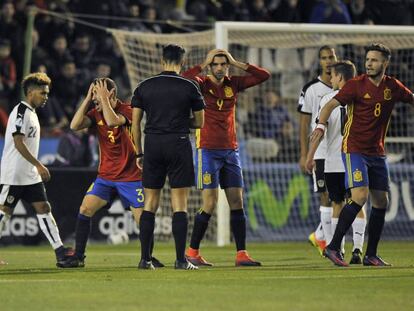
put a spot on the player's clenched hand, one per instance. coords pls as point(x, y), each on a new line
point(310, 164)
point(302, 164)
point(43, 172)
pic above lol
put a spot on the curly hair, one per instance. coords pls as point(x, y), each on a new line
point(35, 80)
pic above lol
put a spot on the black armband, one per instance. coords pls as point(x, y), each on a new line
point(139, 155)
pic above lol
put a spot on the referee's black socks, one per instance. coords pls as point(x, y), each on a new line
point(146, 233)
point(83, 228)
point(238, 228)
point(375, 225)
point(179, 230)
point(200, 227)
point(345, 220)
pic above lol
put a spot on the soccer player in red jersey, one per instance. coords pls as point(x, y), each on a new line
point(118, 171)
point(217, 157)
point(370, 98)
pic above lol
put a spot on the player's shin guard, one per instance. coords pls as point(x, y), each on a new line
point(146, 233)
point(200, 227)
point(83, 229)
point(238, 228)
point(4, 218)
point(358, 233)
point(346, 218)
point(375, 226)
point(179, 230)
point(48, 225)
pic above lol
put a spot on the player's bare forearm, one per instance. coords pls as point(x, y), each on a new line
point(112, 119)
point(327, 110)
point(304, 125)
point(197, 121)
point(24, 151)
point(313, 146)
point(80, 120)
point(137, 115)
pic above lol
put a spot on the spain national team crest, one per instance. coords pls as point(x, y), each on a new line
point(357, 176)
point(228, 91)
point(206, 178)
point(387, 94)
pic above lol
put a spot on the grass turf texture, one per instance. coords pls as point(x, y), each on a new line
point(293, 277)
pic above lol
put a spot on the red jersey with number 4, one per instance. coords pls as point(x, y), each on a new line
point(116, 149)
point(219, 131)
point(369, 112)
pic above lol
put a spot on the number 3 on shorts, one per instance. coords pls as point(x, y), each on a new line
point(140, 195)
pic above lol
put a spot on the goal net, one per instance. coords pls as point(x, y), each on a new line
point(278, 199)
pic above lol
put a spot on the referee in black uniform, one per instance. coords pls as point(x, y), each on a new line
point(172, 105)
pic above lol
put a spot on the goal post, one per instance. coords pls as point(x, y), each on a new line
point(278, 199)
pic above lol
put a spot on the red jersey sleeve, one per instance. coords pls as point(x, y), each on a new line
point(404, 94)
point(193, 73)
point(126, 111)
point(347, 94)
point(256, 76)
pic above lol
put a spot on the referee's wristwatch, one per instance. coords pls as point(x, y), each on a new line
point(139, 155)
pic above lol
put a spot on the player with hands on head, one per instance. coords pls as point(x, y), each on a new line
point(118, 172)
point(217, 159)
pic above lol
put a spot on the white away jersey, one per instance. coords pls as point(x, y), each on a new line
point(309, 101)
point(333, 135)
point(16, 170)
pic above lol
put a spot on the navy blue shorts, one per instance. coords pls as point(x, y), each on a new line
point(366, 171)
point(131, 193)
point(216, 167)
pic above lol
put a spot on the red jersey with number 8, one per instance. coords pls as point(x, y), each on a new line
point(116, 149)
point(369, 112)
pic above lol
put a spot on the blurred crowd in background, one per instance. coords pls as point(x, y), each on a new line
point(73, 54)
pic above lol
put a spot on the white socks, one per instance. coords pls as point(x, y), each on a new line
point(319, 233)
point(358, 229)
point(48, 225)
point(4, 218)
point(334, 224)
point(326, 221)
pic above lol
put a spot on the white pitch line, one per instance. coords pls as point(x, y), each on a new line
point(292, 277)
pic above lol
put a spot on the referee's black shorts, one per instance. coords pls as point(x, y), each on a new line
point(168, 155)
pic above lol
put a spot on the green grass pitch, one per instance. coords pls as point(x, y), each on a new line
point(293, 277)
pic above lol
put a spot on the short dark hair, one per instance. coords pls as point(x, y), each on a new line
point(379, 47)
point(222, 55)
point(346, 68)
point(325, 47)
point(35, 80)
point(110, 84)
point(173, 53)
